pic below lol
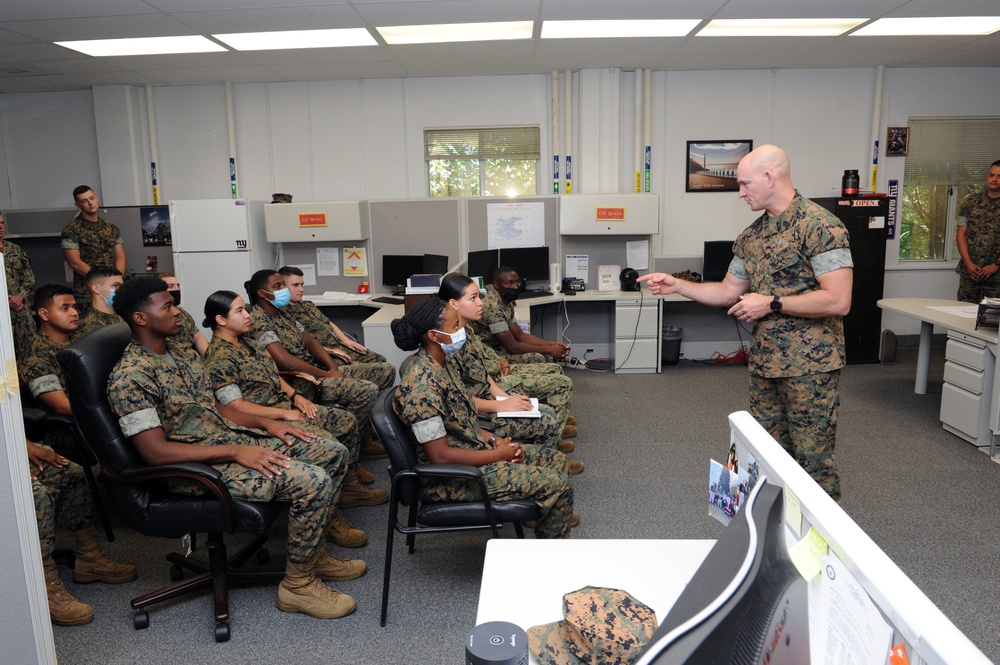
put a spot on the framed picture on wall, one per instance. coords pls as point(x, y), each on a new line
point(711, 165)
point(897, 142)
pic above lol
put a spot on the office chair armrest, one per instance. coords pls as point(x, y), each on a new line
point(205, 474)
point(486, 422)
point(60, 420)
point(338, 354)
point(448, 471)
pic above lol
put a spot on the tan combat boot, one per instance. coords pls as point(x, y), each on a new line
point(64, 609)
point(354, 494)
point(570, 420)
point(93, 565)
point(343, 533)
point(569, 432)
point(333, 569)
point(565, 446)
point(573, 467)
point(365, 476)
point(300, 591)
point(371, 447)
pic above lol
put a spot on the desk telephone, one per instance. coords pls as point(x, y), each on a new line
point(570, 284)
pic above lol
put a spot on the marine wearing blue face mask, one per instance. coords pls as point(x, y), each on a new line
point(281, 297)
point(457, 341)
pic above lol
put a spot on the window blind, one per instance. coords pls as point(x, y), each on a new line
point(482, 143)
point(947, 150)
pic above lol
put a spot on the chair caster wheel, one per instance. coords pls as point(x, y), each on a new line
point(141, 619)
point(263, 556)
point(176, 573)
point(222, 632)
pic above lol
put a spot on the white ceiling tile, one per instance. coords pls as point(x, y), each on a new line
point(629, 9)
point(46, 9)
point(271, 18)
point(106, 27)
point(447, 11)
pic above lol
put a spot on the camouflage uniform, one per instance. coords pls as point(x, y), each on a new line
point(468, 364)
point(20, 282)
point(355, 395)
point(368, 366)
point(980, 215)
point(40, 373)
point(794, 361)
point(61, 495)
point(96, 242)
point(146, 391)
point(545, 381)
point(94, 319)
point(498, 318)
point(240, 371)
point(188, 329)
point(433, 402)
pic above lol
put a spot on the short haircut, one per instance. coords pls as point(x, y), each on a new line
point(256, 282)
point(81, 189)
point(503, 270)
point(165, 274)
point(98, 273)
point(996, 163)
point(291, 270)
point(46, 293)
point(134, 295)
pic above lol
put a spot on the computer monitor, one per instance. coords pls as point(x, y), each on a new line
point(746, 604)
point(397, 268)
point(435, 264)
point(718, 256)
point(482, 264)
point(531, 263)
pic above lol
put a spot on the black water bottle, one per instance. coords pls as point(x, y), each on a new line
point(850, 182)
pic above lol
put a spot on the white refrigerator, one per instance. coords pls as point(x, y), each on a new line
point(217, 244)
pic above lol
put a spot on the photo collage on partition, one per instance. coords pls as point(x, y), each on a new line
point(729, 485)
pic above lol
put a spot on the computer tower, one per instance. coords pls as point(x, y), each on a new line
point(865, 220)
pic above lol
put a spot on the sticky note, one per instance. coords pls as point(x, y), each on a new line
point(805, 554)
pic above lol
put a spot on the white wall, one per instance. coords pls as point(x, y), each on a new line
point(363, 139)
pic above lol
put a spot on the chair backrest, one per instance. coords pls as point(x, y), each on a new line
point(398, 442)
point(403, 366)
point(87, 363)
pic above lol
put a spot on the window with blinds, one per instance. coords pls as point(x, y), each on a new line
point(948, 159)
point(482, 161)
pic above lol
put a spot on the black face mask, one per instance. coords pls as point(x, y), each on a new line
point(510, 295)
point(176, 295)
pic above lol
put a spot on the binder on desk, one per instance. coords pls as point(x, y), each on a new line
point(988, 314)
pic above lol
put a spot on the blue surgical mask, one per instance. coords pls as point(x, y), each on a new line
point(281, 297)
point(111, 298)
point(457, 341)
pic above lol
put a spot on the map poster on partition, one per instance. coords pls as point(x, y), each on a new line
point(515, 224)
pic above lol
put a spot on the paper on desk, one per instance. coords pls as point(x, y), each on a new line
point(964, 311)
point(846, 627)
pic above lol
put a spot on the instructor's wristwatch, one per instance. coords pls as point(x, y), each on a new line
point(776, 304)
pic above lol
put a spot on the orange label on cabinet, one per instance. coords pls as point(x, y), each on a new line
point(312, 219)
point(611, 214)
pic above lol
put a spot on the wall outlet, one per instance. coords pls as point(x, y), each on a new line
point(590, 350)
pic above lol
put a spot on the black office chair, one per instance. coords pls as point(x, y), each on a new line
point(428, 516)
point(135, 490)
point(37, 422)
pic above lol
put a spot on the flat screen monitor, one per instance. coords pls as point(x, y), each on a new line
point(718, 256)
point(531, 263)
point(482, 264)
point(397, 268)
point(747, 603)
point(435, 264)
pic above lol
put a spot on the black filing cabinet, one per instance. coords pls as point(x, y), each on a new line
point(865, 220)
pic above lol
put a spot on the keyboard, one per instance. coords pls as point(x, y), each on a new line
point(388, 300)
point(525, 295)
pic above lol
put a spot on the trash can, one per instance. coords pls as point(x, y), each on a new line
point(671, 341)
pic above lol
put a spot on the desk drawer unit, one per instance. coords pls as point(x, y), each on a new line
point(637, 335)
point(967, 392)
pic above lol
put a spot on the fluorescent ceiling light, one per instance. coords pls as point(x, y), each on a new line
point(779, 27)
point(932, 25)
point(598, 29)
point(295, 39)
point(144, 46)
point(456, 32)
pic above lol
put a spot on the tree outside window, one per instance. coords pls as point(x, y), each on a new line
point(491, 161)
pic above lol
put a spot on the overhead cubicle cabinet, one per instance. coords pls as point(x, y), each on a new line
point(317, 221)
point(609, 214)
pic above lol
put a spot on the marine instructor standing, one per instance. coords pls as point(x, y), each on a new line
point(791, 279)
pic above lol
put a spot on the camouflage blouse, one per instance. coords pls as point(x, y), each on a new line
point(266, 329)
point(783, 256)
point(238, 371)
point(497, 318)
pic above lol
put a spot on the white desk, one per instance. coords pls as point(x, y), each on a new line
point(524, 580)
point(970, 398)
